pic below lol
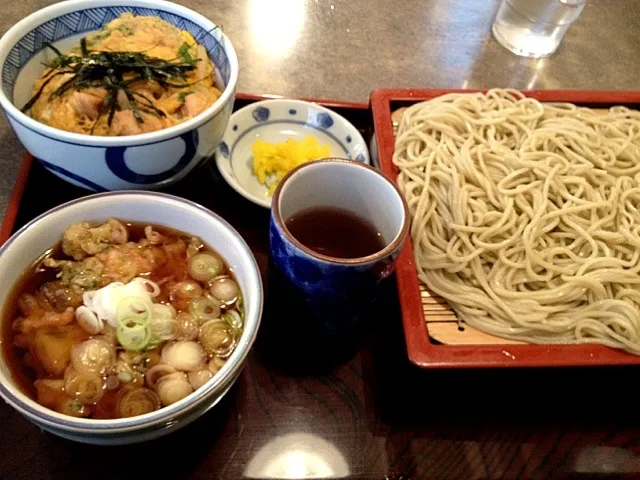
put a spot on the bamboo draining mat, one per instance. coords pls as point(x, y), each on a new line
point(442, 323)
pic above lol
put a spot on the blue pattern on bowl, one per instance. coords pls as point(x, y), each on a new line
point(348, 138)
point(286, 121)
point(92, 19)
point(334, 293)
point(261, 114)
point(323, 120)
point(70, 176)
point(224, 149)
point(116, 162)
point(292, 111)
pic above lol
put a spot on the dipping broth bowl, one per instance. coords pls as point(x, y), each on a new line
point(335, 290)
point(146, 161)
point(28, 244)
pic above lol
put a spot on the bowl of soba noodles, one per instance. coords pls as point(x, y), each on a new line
point(125, 316)
point(116, 96)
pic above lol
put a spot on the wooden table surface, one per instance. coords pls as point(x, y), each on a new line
point(365, 411)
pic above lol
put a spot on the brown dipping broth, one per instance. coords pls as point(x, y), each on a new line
point(335, 232)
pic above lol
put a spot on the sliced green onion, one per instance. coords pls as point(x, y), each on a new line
point(240, 305)
point(164, 310)
point(186, 289)
point(151, 287)
point(225, 289)
point(134, 333)
point(187, 327)
point(217, 337)
point(133, 307)
point(86, 387)
point(75, 408)
point(203, 309)
point(234, 319)
point(205, 266)
point(131, 402)
point(216, 364)
point(162, 329)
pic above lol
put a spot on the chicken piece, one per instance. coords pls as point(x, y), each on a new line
point(43, 319)
point(194, 104)
point(86, 104)
point(61, 297)
point(52, 346)
point(81, 240)
point(124, 123)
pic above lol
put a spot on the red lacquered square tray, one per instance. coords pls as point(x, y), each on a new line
point(422, 349)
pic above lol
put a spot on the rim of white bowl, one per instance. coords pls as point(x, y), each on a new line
point(15, 33)
point(236, 185)
point(32, 409)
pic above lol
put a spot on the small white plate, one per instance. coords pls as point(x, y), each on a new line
point(276, 121)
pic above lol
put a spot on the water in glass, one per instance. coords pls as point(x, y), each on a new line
point(534, 28)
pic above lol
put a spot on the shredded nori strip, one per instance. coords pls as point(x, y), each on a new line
point(115, 71)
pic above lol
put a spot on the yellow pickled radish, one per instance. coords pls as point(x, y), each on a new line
point(272, 161)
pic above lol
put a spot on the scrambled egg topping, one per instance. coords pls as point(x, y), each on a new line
point(272, 161)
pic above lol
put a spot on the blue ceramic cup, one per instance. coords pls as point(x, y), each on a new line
point(335, 290)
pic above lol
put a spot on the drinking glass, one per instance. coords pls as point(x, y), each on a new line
point(534, 28)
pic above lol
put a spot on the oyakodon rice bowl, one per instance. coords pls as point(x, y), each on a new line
point(150, 129)
point(170, 412)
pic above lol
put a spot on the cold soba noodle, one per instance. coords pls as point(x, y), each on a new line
point(120, 320)
point(525, 215)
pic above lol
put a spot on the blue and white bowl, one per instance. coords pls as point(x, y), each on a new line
point(145, 161)
point(276, 121)
point(28, 244)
